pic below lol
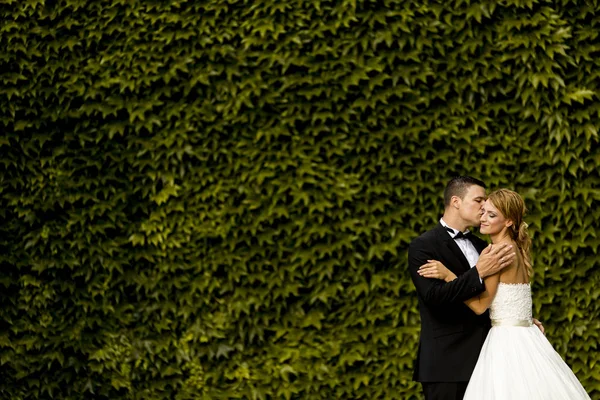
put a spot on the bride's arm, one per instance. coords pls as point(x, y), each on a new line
point(437, 270)
point(482, 302)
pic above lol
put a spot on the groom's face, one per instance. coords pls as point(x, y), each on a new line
point(471, 205)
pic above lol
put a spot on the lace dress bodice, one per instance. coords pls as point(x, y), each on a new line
point(512, 302)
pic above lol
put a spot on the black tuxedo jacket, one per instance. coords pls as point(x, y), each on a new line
point(451, 334)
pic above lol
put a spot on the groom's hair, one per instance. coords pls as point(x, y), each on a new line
point(458, 186)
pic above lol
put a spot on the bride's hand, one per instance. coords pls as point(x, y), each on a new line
point(437, 270)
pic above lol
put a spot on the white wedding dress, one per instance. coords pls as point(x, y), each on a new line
point(517, 362)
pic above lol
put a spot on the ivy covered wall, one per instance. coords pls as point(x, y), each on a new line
point(213, 200)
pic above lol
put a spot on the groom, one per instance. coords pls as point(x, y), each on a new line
point(451, 334)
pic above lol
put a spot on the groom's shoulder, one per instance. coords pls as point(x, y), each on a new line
point(427, 236)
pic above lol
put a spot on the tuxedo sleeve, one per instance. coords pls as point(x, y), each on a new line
point(436, 292)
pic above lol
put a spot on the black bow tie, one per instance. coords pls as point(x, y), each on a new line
point(460, 235)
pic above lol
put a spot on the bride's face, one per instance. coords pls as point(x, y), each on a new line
point(492, 221)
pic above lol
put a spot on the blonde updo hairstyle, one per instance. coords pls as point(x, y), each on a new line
point(512, 207)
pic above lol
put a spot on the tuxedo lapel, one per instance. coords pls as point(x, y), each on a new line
point(478, 243)
point(452, 251)
point(453, 247)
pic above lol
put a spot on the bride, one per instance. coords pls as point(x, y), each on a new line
point(516, 361)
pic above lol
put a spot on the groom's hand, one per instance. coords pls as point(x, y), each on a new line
point(494, 258)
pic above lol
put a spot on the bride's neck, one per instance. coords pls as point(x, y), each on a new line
point(501, 237)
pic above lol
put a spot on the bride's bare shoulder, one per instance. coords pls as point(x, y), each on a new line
point(514, 272)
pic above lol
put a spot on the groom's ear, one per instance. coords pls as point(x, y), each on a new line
point(455, 201)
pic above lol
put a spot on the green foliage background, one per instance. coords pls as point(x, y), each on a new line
point(214, 199)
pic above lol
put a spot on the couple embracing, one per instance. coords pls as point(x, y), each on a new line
point(478, 338)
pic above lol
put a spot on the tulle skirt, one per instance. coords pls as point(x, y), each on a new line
point(519, 363)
